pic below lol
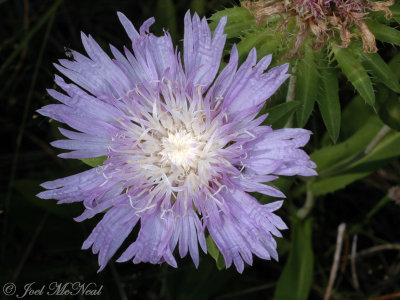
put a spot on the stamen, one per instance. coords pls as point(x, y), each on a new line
point(250, 134)
point(220, 189)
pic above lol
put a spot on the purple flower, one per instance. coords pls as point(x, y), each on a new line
point(183, 146)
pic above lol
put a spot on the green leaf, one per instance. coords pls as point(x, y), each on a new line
point(355, 73)
point(352, 122)
point(378, 68)
point(283, 183)
point(380, 16)
point(334, 183)
point(394, 65)
point(329, 103)
point(265, 43)
point(388, 107)
point(396, 12)
point(307, 84)
point(332, 156)
point(295, 281)
point(383, 32)
point(278, 115)
point(240, 20)
point(94, 161)
point(212, 249)
point(386, 150)
point(165, 13)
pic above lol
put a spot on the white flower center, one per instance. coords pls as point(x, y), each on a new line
point(176, 145)
point(181, 149)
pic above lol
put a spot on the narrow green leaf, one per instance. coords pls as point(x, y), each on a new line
point(388, 107)
point(378, 68)
point(335, 155)
point(394, 65)
point(295, 281)
point(307, 84)
point(42, 20)
point(383, 32)
point(283, 183)
point(278, 115)
point(386, 150)
point(212, 249)
point(329, 103)
point(94, 161)
point(334, 183)
point(378, 206)
point(355, 73)
point(356, 228)
point(395, 12)
point(240, 20)
point(165, 13)
point(352, 122)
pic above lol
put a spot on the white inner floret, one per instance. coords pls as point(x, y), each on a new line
point(181, 149)
point(176, 145)
point(178, 150)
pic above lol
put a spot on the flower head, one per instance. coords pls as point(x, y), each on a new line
point(183, 146)
point(323, 18)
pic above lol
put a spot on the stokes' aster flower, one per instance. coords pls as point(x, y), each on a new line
point(182, 145)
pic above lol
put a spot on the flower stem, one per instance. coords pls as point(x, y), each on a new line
point(291, 92)
point(308, 205)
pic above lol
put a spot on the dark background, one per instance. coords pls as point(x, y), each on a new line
point(41, 243)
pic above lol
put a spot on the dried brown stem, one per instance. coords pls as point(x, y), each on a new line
point(336, 260)
point(385, 297)
point(353, 263)
point(378, 248)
